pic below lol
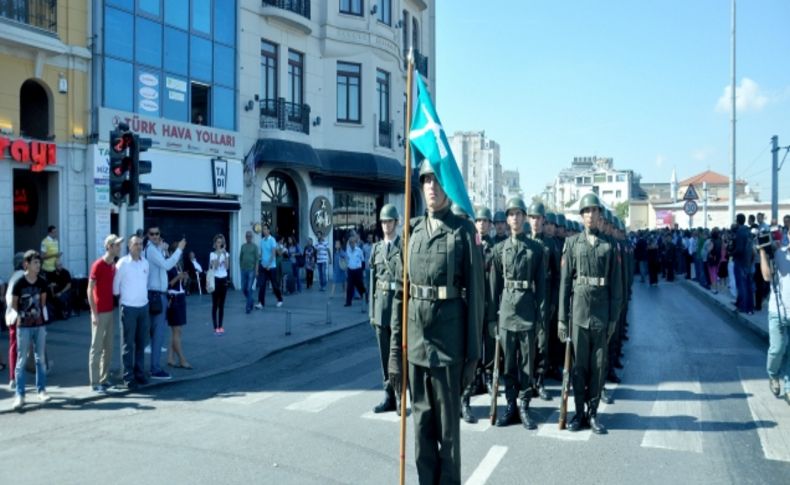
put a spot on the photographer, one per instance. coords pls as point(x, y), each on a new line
point(775, 268)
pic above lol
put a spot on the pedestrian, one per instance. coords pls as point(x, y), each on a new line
point(131, 284)
point(356, 263)
point(296, 257)
point(10, 318)
point(339, 267)
point(159, 265)
point(536, 214)
point(640, 253)
point(177, 315)
point(775, 268)
point(101, 304)
point(309, 262)
point(267, 269)
point(50, 252)
point(249, 255)
point(712, 253)
point(743, 257)
point(60, 289)
point(653, 260)
point(323, 257)
point(219, 261)
point(446, 310)
point(367, 250)
point(195, 272)
point(386, 302)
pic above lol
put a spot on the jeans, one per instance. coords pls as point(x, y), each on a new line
point(295, 273)
point(322, 275)
point(135, 323)
point(158, 329)
point(778, 361)
point(247, 279)
point(26, 335)
point(354, 283)
point(643, 270)
point(745, 284)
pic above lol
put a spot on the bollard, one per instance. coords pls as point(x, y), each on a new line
point(363, 304)
point(288, 323)
point(328, 314)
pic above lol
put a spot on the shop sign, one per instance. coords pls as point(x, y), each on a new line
point(37, 153)
point(220, 169)
point(321, 215)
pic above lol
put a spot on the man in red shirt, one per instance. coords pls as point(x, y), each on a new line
point(101, 302)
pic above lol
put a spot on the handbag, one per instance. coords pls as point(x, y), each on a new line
point(154, 302)
point(210, 286)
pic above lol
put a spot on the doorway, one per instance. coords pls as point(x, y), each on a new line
point(280, 205)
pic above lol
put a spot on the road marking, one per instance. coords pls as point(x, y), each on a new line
point(483, 422)
point(487, 466)
point(771, 415)
point(551, 429)
point(338, 365)
point(676, 422)
point(318, 401)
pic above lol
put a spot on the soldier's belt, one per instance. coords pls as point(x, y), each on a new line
point(387, 285)
point(590, 281)
point(421, 292)
point(520, 285)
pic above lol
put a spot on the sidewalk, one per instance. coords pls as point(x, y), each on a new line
point(247, 339)
point(758, 322)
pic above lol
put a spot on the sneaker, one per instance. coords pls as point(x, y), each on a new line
point(279, 304)
point(161, 375)
point(221, 330)
point(217, 332)
point(258, 306)
point(775, 386)
point(11, 385)
point(99, 390)
point(147, 349)
point(43, 396)
point(19, 401)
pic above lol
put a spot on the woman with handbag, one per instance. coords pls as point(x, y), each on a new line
point(177, 315)
point(219, 262)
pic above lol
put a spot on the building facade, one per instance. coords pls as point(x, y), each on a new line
point(322, 85)
point(44, 121)
point(590, 174)
point(477, 157)
point(511, 180)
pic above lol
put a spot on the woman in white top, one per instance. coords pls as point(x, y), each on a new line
point(220, 263)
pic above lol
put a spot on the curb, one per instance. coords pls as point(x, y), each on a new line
point(33, 406)
point(702, 295)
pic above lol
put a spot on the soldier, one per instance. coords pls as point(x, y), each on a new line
point(500, 226)
point(589, 272)
point(386, 286)
point(519, 275)
point(562, 228)
point(445, 313)
point(537, 218)
point(555, 350)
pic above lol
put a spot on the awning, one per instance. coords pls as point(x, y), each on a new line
point(191, 204)
point(358, 171)
point(282, 153)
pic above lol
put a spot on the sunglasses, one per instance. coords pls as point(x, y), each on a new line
point(153, 233)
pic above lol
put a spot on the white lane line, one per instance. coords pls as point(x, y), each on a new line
point(318, 401)
point(670, 413)
point(771, 415)
point(487, 466)
point(550, 429)
point(341, 364)
point(389, 417)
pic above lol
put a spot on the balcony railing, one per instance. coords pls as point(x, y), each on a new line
point(299, 7)
point(42, 14)
point(385, 134)
point(282, 115)
point(420, 62)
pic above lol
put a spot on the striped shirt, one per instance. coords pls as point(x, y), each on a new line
point(322, 252)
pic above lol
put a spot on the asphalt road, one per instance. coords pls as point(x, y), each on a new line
point(694, 407)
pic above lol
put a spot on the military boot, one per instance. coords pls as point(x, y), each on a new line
point(576, 423)
point(510, 416)
point(595, 424)
point(386, 404)
point(523, 413)
point(612, 377)
point(618, 364)
point(466, 411)
point(397, 405)
point(606, 396)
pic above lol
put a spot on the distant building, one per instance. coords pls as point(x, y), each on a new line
point(512, 182)
point(478, 160)
point(590, 174)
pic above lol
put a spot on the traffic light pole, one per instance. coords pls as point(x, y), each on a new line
point(775, 168)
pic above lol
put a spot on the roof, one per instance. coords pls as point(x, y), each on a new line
point(709, 176)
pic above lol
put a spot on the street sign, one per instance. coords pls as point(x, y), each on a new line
point(690, 207)
point(691, 193)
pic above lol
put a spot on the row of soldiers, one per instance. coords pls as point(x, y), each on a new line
point(539, 282)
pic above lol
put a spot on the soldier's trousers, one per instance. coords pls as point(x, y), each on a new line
point(519, 363)
point(435, 407)
point(383, 334)
point(589, 371)
point(541, 355)
point(556, 349)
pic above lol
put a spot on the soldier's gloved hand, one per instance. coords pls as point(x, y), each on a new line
point(562, 331)
point(395, 370)
point(468, 373)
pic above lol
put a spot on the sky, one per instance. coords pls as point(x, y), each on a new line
point(642, 81)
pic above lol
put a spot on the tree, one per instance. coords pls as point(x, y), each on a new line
point(621, 210)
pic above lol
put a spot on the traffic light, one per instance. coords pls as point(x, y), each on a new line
point(138, 168)
point(120, 165)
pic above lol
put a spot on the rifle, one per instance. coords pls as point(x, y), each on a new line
point(566, 374)
point(495, 378)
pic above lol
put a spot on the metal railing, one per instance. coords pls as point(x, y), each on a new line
point(299, 7)
point(42, 14)
point(282, 115)
point(385, 134)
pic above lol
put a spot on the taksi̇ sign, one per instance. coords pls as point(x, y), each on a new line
point(37, 153)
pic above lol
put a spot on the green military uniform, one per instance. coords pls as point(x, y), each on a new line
point(443, 331)
point(552, 291)
point(590, 274)
point(386, 288)
point(555, 350)
point(520, 277)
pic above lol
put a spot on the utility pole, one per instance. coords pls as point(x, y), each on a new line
point(774, 179)
point(705, 204)
point(732, 134)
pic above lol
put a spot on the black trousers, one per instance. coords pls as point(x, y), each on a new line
point(383, 335)
point(264, 276)
point(218, 301)
point(354, 281)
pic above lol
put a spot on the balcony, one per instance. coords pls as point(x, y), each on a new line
point(41, 14)
point(420, 62)
point(294, 13)
point(385, 134)
point(278, 114)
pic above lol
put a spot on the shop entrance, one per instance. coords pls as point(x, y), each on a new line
point(280, 205)
point(36, 198)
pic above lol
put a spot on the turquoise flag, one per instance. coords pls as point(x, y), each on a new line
point(427, 136)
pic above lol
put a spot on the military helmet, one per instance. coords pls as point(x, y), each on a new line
point(483, 213)
point(607, 215)
point(459, 211)
point(500, 216)
point(551, 218)
point(537, 209)
point(561, 220)
point(570, 225)
point(425, 169)
point(388, 213)
point(516, 203)
point(589, 200)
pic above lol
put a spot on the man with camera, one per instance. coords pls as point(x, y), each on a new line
point(775, 268)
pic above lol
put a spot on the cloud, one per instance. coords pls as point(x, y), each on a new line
point(701, 154)
point(748, 97)
point(660, 159)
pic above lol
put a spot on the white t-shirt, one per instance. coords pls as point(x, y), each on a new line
point(782, 269)
point(131, 281)
point(221, 271)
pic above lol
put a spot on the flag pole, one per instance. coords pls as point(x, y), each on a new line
point(405, 312)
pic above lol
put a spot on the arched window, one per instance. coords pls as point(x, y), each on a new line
point(280, 204)
point(33, 110)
